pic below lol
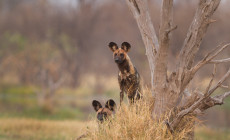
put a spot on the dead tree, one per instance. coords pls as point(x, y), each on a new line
point(47, 90)
point(168, 90)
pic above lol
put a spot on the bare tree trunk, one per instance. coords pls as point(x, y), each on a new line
point(169, 91)
point(161, 80)
point(141, 14)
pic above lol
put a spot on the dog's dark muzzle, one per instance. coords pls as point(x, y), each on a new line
point(101, 117)
point(117, 60)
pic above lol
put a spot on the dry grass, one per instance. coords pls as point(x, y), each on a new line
point(30, 129)
point(135, 122)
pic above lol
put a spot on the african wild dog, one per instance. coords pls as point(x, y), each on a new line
point(128, 77)
point(104, 112)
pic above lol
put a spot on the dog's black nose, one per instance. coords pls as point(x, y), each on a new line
point(100, 117)
point(116, 60)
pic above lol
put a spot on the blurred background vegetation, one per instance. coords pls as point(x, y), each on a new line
point(54, 58)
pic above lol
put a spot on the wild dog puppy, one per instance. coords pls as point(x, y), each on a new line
point(128, 77)
point(104, 112)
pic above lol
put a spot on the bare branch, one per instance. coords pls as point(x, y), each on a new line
point(212, 78)
point(219, 82)
point(223, 96)
point(197, 31)
point(205, 101)
point(212, 20)
point(212, 101)
point(196, 104)
point(224, 86)
point(139, 9)
point(190, 74)
point(208, 58)
point(220, 61)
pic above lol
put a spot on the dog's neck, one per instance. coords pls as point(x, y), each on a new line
point(126, 66)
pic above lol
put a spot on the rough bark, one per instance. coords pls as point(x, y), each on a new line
point(160, 77)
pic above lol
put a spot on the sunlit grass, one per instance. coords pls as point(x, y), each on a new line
point(31, 129)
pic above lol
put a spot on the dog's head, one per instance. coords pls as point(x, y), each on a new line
point(119, 54)
point(104, 112)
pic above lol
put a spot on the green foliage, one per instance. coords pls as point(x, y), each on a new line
point(17, 89)
point(38, 113)
point(21, 101)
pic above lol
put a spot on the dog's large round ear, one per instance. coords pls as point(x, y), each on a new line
point(113, 46)
point(96, 105)
point(125, 46)
point(110, 104)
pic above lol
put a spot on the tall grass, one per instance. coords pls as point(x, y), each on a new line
point(136, 122)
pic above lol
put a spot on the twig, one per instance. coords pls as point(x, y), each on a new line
point(220, 61)
point(223, 96)
point(219, 82)
point(224, 86)
point(208, 58)
point(212, 78)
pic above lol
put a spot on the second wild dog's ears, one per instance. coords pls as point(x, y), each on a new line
point(96, 105)
point(113, 46)
point(110, 104)
point(125, 46)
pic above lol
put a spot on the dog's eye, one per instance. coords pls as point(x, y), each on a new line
point(121, 54)
point(115, 54)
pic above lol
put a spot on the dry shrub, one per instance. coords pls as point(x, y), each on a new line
point(135, 122)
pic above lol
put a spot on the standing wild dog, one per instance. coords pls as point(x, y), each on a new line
point(104, 112)
point(128, 77)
